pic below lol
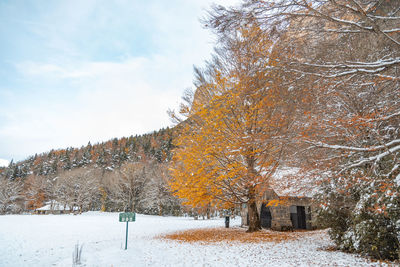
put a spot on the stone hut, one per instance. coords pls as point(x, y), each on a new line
point(53, 207)
point(285, 209)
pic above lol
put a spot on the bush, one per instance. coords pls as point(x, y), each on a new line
point(361, 218)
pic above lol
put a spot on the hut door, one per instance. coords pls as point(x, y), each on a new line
point(301, 217)
point(298, 217)
point(265, 217)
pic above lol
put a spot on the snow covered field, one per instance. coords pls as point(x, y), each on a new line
point(48, 240)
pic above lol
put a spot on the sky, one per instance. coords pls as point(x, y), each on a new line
point(77, 71)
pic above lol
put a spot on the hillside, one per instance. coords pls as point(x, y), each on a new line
point(129, 174)
point(109, 155)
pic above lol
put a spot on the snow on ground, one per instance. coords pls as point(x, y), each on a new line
point(48, 240)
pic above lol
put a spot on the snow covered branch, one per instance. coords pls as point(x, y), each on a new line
point(359, 149)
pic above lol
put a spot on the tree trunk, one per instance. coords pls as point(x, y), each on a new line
point(254, 218)
point(160, 209)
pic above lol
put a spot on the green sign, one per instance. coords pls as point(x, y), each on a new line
point(127, 217)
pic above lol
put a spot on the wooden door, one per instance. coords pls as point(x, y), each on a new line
point(298, 217)
point(265, 217)
point(301, 217)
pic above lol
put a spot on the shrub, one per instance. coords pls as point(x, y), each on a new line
point(361, 218)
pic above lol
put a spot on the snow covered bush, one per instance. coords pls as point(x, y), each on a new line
point(375, 236)
point(362, 216)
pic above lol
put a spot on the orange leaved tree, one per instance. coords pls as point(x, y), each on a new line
point(232, 134)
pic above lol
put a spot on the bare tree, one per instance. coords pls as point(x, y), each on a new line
point(318, 19)
point(78, 188)
point(344, 56)
point(127, 186)
point(10, 196)
point(35, 191)
point(158, 198)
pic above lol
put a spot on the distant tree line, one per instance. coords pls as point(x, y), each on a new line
point(108, 155)
point(127, 174)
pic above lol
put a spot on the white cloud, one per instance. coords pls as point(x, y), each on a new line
point(76, 98)
point(111, 99)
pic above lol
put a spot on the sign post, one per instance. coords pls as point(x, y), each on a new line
point(126, 238)
point(127, 217)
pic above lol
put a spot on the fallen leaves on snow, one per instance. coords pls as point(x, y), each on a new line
point(214, 235)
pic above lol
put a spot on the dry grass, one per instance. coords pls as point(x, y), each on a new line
point(214, 235)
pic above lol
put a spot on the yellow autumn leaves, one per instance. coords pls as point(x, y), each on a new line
point(230, 143)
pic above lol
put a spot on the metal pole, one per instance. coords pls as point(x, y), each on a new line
point(126, 240)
